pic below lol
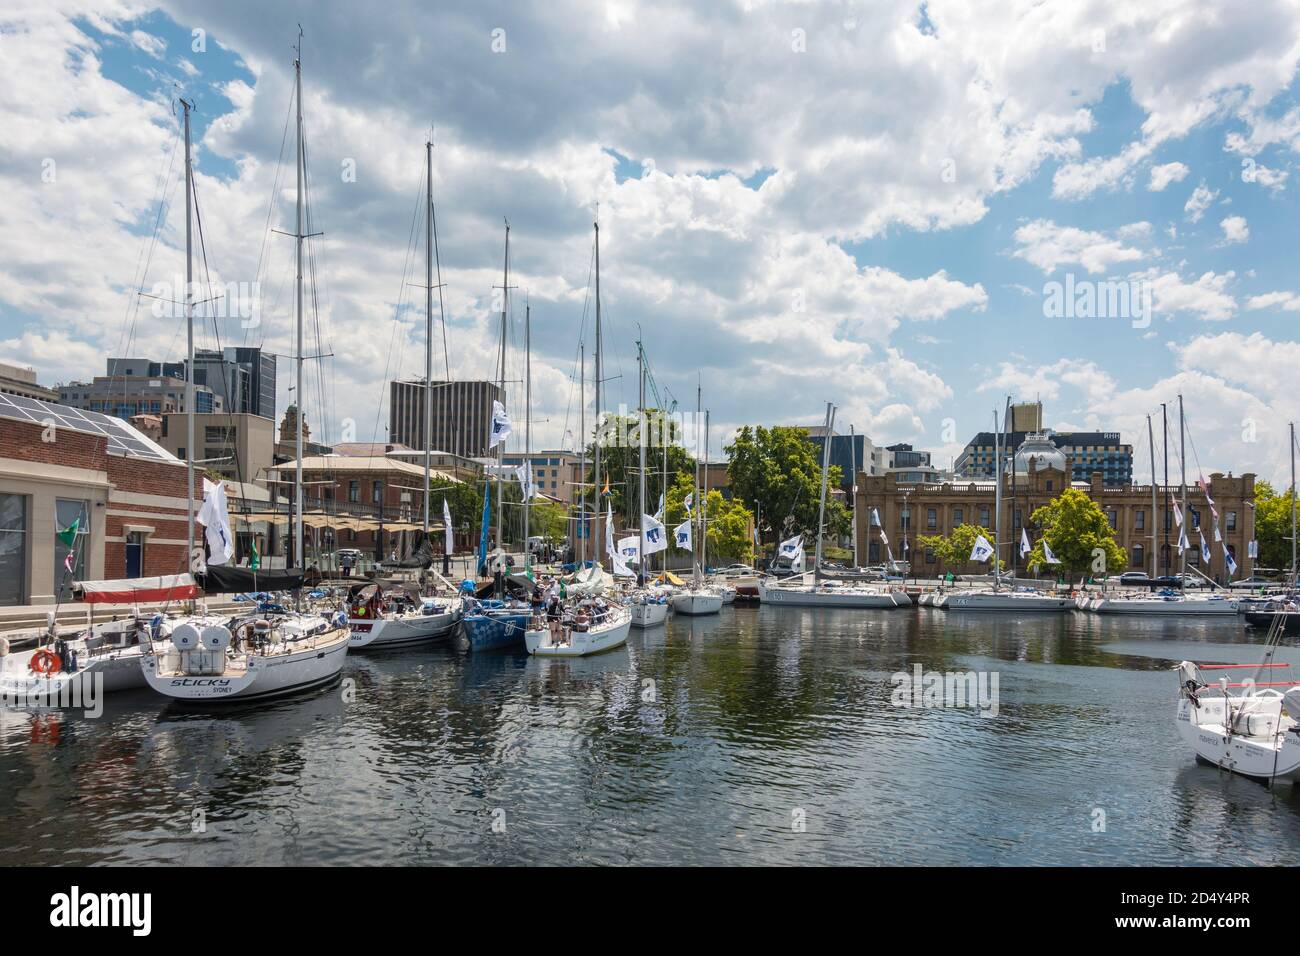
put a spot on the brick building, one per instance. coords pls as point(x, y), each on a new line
point(909, 511)
point(59, 465)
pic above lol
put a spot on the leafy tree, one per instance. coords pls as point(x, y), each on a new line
point(620, 459)
point(953, 549)
point(1273, 526)
point(1074, 527)
point(777, 471)
point(549, 520)
point(729, 524)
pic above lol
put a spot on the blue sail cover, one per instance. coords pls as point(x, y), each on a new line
point(483, 528)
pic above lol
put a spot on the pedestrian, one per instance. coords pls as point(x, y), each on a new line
point(393, 556)
point(446, 565)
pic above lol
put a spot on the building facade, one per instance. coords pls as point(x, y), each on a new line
point(238, 447)
point(126, 496)
point(17, 380)
point(125, 396)
point(1090, 452)
point(462, 415)
point(907, 512)
point(243, 379)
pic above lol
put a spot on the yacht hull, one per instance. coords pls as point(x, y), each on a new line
point(696, 603)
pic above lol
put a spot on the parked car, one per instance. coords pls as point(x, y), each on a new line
point(1253, 584)
point(1135, 577)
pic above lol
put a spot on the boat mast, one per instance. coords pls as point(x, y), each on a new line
point(997, 501)
point(599, 559)
point(298, 393)
point(704, 502)
point(665, 437)
point(189, 333)
point(1293, 542)
point(821, 507)
point(640, 362)
point(528, 423)
point(853, 490)
point(695, 488)
point(1164, 424)
point(582, 455)
point(1152, 440)
point(501, 386)
point(428, 328)
point(1187, 518)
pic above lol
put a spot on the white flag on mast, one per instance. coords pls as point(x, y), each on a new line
point(655, 538)
point(1047, 554)
point(501, 428)
point(216, 522)
point(1024, 542)
point(682, 535)
point(447, 530)
point(982, 550)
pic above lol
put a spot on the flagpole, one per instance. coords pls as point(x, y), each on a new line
point(1151, 439)
point(1182, 454)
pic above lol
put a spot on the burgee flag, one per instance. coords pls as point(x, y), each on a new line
point(982, 550)
point(501, 427)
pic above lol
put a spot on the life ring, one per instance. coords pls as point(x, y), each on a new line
point(45, 662)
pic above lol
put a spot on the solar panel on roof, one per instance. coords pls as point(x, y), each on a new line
point(122, 438)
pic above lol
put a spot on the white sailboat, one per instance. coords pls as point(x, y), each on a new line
point(597, 626)
point(998, 598)
point(1168, 602)
point(380, 620)
point(698, 599)
point(649, 605)
point(252, 656)
point(810, 589)
point(104, 657)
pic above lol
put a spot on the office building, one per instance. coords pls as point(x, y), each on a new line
point(462, 416)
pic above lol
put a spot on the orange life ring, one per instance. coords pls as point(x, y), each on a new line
point(45, 662)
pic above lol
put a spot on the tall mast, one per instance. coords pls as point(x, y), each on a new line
point(826, 464)
point(600, 558)
point(428, 327)
point(1164, 424)
point(298, 394)
point(528, 423)
point(997, 500)
point(640, 362)
point(1187, 518)
point(704, 502)
point(189, 364)
point(853, 490)
point(1154, 482)
point(501, 385)
point(665, 438)
point(695, 486)
point(582, 455)
point(1293, 564)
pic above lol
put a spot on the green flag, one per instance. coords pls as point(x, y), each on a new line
point(68, 535)
point(255, 562)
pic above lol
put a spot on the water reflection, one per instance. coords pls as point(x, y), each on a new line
point(757, 735)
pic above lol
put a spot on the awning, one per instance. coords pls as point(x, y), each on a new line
point(167, 587)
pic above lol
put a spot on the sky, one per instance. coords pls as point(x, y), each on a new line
point(869, 204)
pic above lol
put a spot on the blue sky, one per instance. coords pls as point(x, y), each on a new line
point(744, 160)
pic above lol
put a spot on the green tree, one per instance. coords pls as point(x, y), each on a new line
point(549, 520)
point(729, 524)
point(953, 549)
point(1079, 535)
point(777, 472)
point(620, 460)
point(1273, 526)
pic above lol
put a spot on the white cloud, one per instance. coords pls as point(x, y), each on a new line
point(1045, 244)
point(1207, 298)
point(1162, 176)
point(1235, 229)
point(1198, 202)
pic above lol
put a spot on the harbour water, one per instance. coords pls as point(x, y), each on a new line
point(761, 735)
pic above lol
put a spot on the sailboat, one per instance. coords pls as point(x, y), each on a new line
point(498, 623)
point(265, 652)
point(105, 654)
point(649, 605)
point(809, 589)
point(698, 598)
point(380, 619)
point(998, 598)
point(1168, 602)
